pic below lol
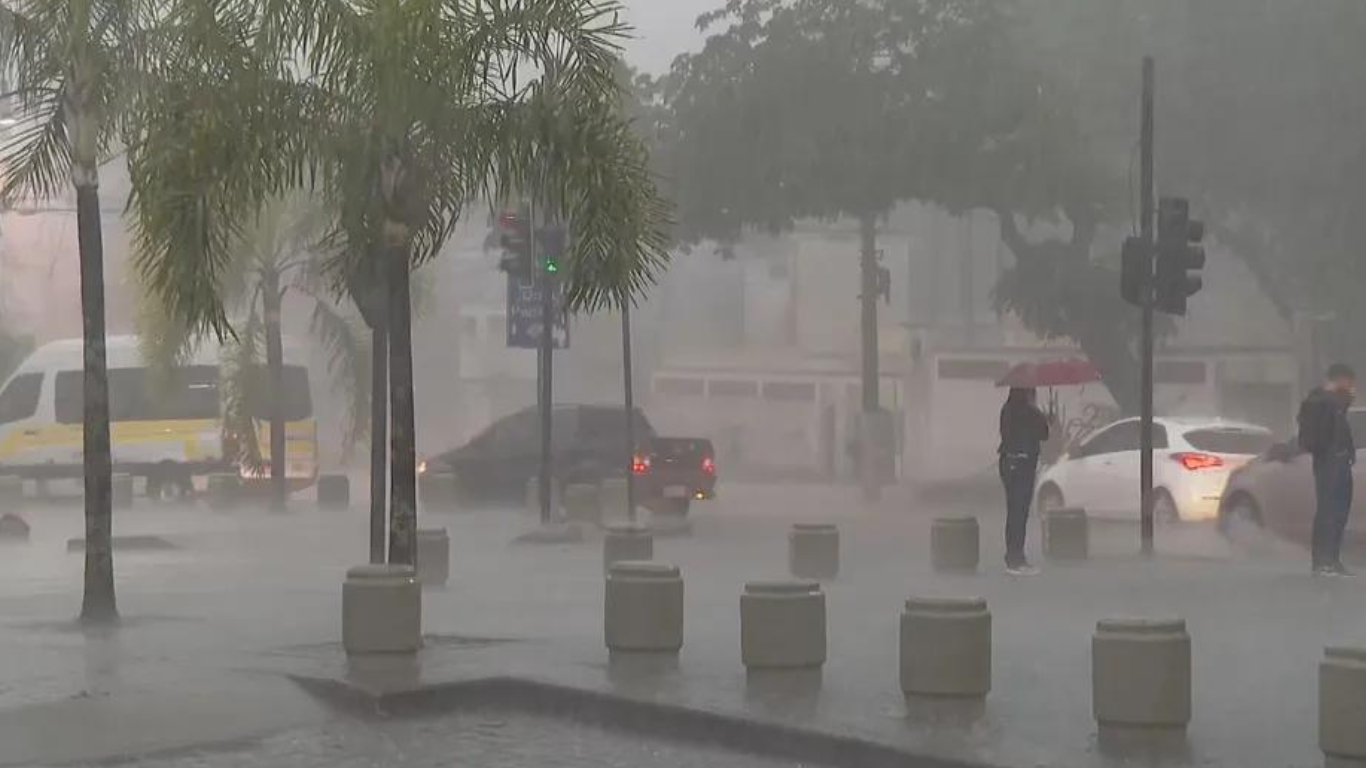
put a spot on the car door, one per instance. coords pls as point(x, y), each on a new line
point(20, 428)
point(1123, 465)
point(1077, 474)
point(1110, 456)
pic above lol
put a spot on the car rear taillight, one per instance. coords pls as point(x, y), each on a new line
point(640, 465)
point(1194, 461)
point(708, 465)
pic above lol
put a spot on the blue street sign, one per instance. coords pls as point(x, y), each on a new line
point(524, 314)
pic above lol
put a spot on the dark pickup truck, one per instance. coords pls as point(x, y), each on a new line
point(589, 443)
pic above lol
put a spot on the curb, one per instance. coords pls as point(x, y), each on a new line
point(622, 713)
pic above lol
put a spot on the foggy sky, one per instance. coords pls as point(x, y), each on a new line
point(663, 29)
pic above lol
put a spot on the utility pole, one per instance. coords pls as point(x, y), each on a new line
point(1146, 233)
point(868, 446)
point(630, 399)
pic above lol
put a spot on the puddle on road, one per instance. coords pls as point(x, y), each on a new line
point(463, 740)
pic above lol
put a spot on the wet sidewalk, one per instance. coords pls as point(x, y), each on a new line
point(247, 598)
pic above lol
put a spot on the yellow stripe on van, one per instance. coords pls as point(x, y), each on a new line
point(300, 436)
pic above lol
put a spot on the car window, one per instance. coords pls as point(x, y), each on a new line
point(20, 398)
point(516, 433)
point(1123, 436)
point(605, 425)
point(1248, 442)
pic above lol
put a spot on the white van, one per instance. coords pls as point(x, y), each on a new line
point(167, 432)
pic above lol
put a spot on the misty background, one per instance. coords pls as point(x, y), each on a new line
point(754, 343)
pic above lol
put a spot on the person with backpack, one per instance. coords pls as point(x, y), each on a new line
point(1325, 434)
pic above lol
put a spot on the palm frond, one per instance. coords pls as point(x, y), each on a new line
point(240, 388)
point(35, 155)
point(345, 341)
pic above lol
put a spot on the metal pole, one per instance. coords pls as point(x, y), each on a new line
point(543, 368)
point(1146, 219)
point(630, 398)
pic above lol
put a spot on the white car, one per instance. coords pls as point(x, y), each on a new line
point(1192, 459)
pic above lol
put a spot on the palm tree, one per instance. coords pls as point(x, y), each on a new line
point(73, 64)
point(277, 253)
point(401, 113)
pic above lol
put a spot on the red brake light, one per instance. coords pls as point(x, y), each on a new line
point(640, 464)
point(1194, 461)
point(708, 466)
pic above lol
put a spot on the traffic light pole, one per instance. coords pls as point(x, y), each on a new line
point(1146, 219)
point(630, 399)
point(545, 367)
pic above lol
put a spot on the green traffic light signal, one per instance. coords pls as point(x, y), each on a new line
point(552, 266)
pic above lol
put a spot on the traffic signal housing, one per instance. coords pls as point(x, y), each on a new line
point(514, 237)
point(550, 241)
point(1180, 256)
point(1135, 271)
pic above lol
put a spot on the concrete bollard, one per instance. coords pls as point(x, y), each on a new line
point(11, 490)
point(643, 610)
point(13, 527)
point(1066, 535)
point(782, 625)
point(813, 551)
point(122, 491)
point(1141, 673)
point(626, 542)
point(334, 491)
point(946, 647)
point(1342, 706)
point(533, 497)
point(381, 610)
point(433, 557)
point(955, 544)
point(582, 503)
point(612, 498)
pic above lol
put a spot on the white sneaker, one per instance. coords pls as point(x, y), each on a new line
point(1022, 569)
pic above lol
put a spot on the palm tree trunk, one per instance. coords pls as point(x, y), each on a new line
point(275, 366)
point(379, 431)
point(403, 452)
point(98, 604)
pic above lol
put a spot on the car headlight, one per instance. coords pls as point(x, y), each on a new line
point(422, 467)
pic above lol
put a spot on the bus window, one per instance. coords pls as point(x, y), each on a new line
point(20, 399)
point(189, 393)
point(298, 401)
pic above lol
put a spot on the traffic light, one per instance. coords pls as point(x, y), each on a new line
point(550, 241)
point(514, 236)
point(1180, 257)
point(1135, 271)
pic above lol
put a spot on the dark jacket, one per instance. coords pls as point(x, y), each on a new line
point(1324, 429)
point(1024, 428)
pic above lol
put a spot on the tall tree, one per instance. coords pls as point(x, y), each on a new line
point(820, 109)
point(400, 112)
point(1268, 147)
point(73, 65)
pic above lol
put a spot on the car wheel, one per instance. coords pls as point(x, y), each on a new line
point(1164, 507)
point(1239, 515)
point(1049, 500)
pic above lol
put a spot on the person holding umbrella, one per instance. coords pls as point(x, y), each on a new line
point(1024, 429)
